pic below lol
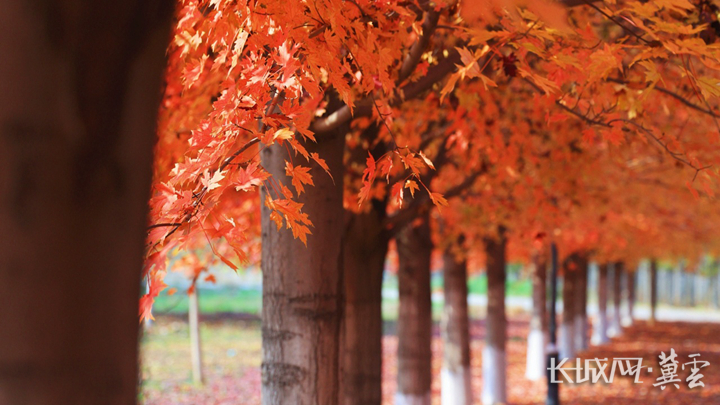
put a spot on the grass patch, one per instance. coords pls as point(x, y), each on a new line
point(249, 301)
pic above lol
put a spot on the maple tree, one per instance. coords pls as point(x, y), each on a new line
point(523, 115)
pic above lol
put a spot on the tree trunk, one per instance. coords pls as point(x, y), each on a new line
point(567, 331)
point(616, 326)
point(80, 93)
point(581, 328)
point(195, 345)
point(414, 325)
point(678, 286)
point(535, 366)
point(601, 330)
point(364, 250)
point(302, 285)
point(669, 277)
point(692, 301)
point(630, 284)
point(653, 291)
point(455, 374)
point(494, 359)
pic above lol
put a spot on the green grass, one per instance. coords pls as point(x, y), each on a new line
point(231, 300)
point(249, 301)
point(230, 348)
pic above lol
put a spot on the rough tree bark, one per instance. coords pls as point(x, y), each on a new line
point(364, 249)
point(455, 374)
point(567, 332)
point(414, 325)
point(535, 366)
point(302, 285)
point(615, 324)
point(494, 359)
point(80, 92)
point(581, 324)
point(601, 329)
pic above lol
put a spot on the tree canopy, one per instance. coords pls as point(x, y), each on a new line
point(592, 123)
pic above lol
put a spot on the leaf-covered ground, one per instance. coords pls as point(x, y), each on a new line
point(232, 357)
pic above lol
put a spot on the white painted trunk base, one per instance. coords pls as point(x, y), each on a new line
point(535, 366)
point(600, 330)
point(456, 387)
point(408, 399)
point(627, 321)
point(566, 346)
point(494, 364)
point(580, 331)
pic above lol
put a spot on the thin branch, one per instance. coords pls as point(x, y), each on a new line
point(162, 224)
point(675, 96)
point(363, 108)
point(396, 222)
point(608, 124)
point(418, 48)
point(621, 25)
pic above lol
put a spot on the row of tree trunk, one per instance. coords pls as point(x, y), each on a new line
point(76, 178)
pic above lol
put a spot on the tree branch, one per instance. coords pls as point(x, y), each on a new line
point(409, 91)
point(413, 57)
point(675, 96)
point(396, 222)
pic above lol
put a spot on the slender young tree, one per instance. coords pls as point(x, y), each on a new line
point(195, 341)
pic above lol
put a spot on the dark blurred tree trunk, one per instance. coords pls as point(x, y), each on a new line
point(581, 325)
point(303, 285)
point(81, 84)
point(535, 366)
point(567, 333)
point(414, 325)
point(455, 375)
point(601, 331)
point(494, 360)
point(365, 247)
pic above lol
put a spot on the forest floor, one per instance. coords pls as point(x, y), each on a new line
point(232, 356)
